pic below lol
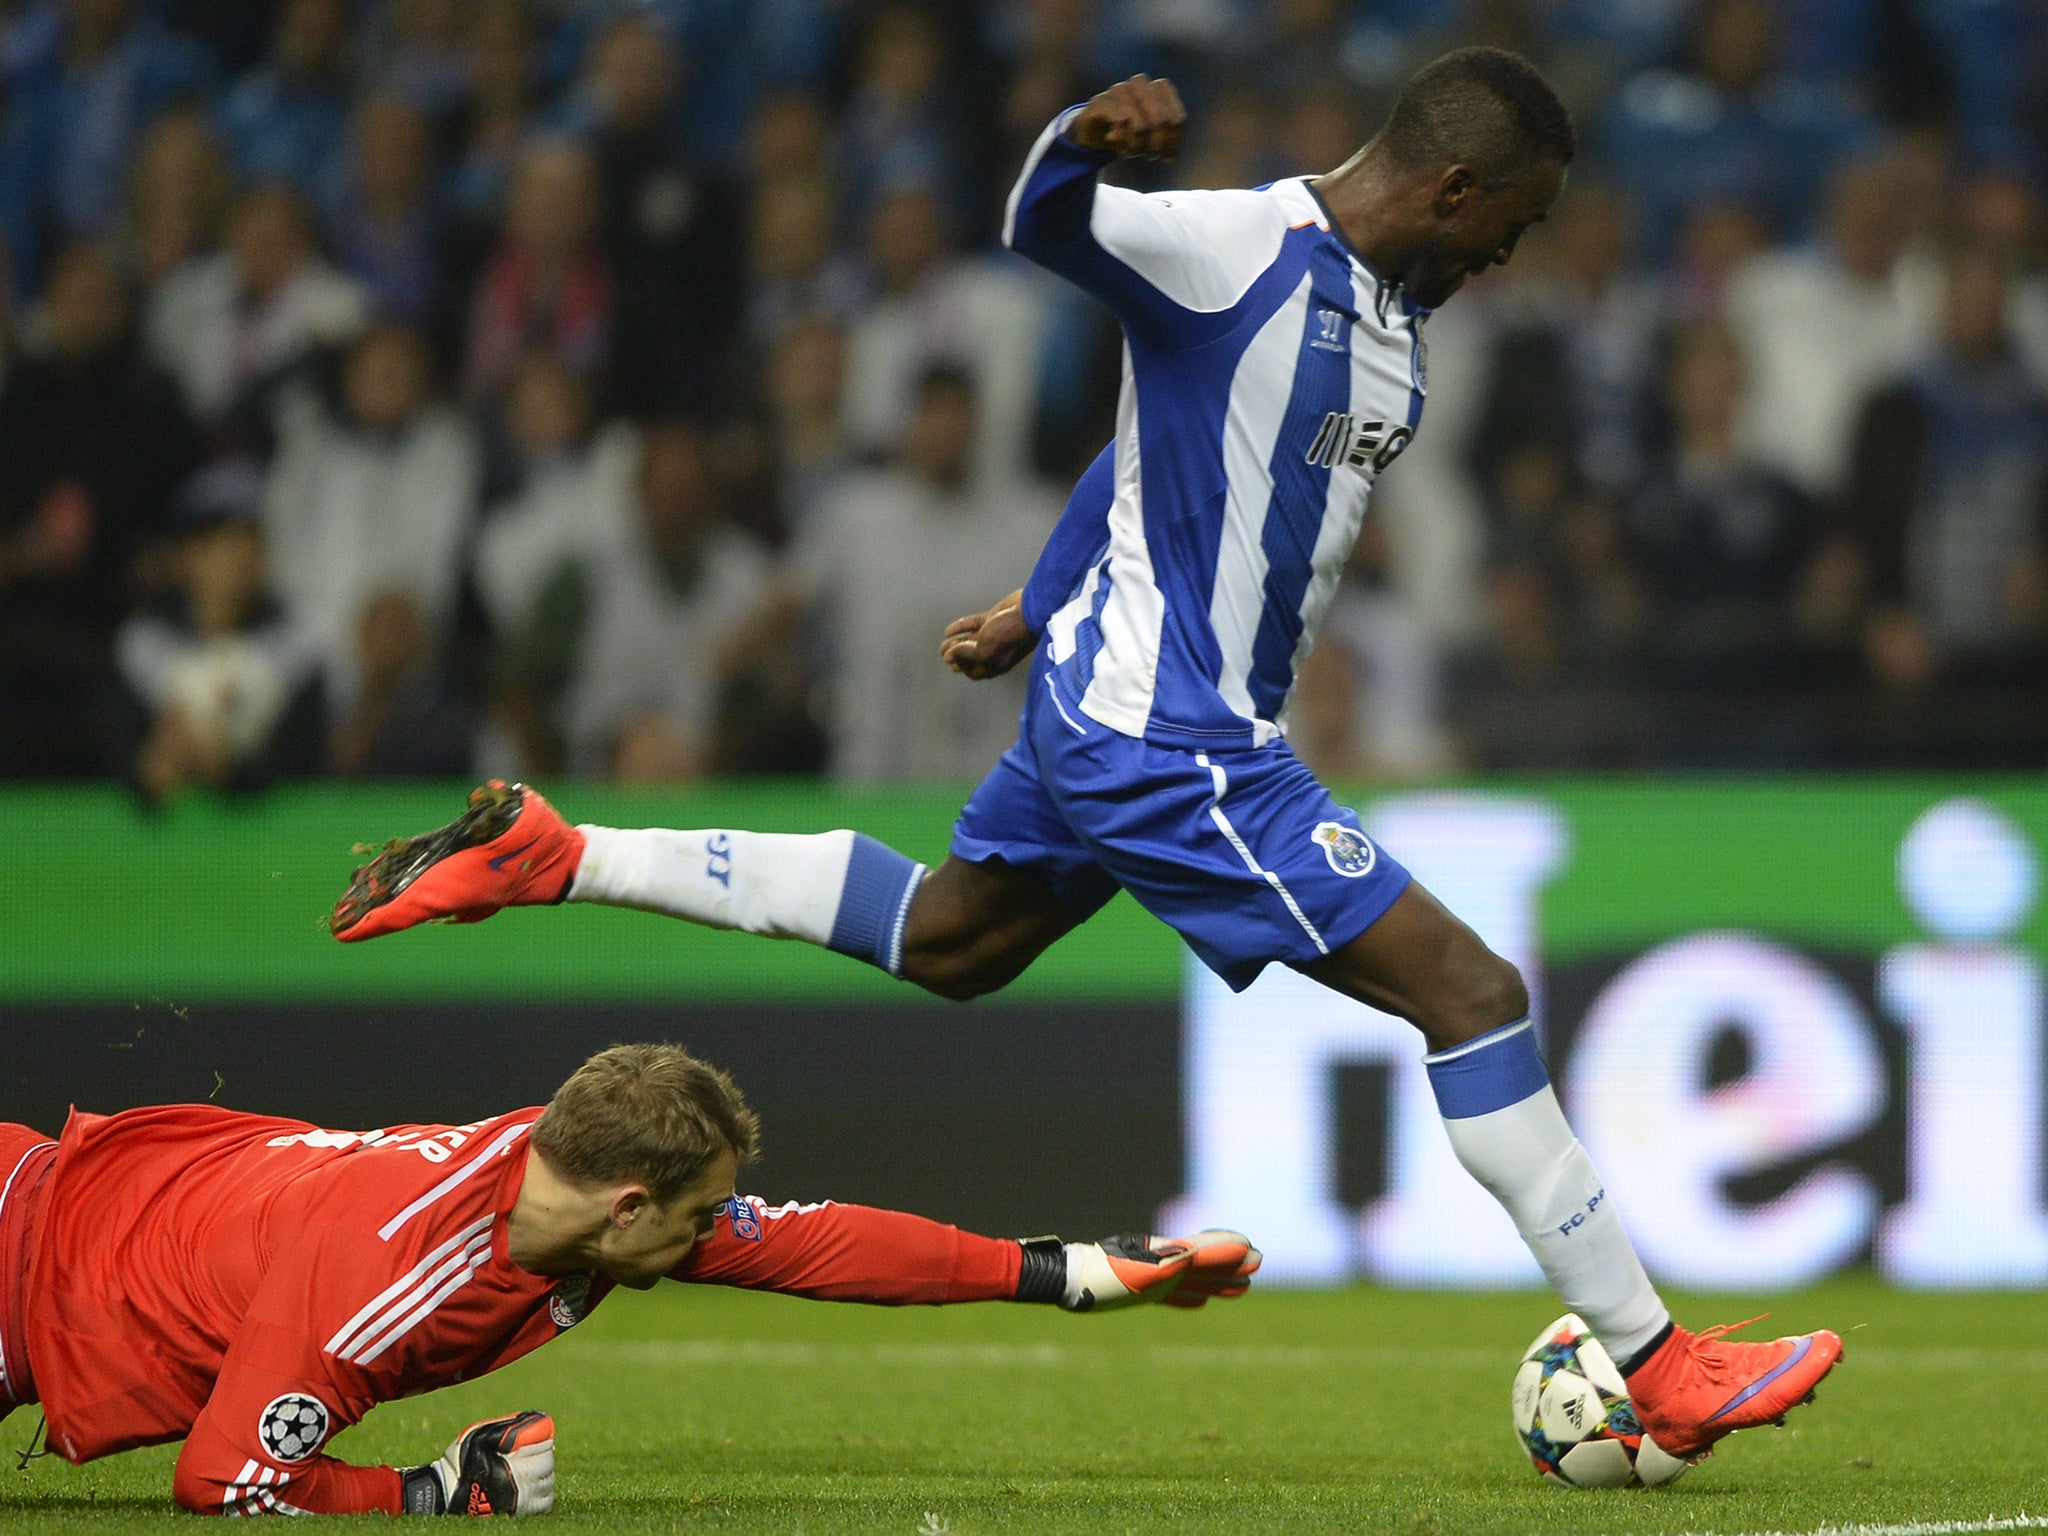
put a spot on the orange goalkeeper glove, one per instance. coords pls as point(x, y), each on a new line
point(1130, 1268)
point(500, 1467)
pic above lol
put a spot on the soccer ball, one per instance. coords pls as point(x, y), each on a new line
point(1573, 1416)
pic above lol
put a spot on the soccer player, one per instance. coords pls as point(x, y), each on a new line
point(254, 1284)
point(1273, 366)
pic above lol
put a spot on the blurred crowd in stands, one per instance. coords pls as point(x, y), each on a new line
point(401, 387)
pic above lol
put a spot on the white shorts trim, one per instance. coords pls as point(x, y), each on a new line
point(1222, 785)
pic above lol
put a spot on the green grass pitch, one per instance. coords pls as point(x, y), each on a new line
point(700, 1410)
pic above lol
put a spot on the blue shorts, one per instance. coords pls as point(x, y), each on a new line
point(1243, 853)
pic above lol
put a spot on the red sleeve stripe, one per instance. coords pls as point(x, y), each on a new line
point(407, 1289)
point(242, 1478)
point(787, 1208)
point(476, 1258)
point(500, 1144)
point(250, 1493)
point(423, 1287)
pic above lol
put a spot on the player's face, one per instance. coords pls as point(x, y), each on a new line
point(1480, 229)
point(659, 1237)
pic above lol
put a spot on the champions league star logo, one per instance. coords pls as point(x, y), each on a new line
point(1349, 851)
point(569, 1303)
point(293, 1427)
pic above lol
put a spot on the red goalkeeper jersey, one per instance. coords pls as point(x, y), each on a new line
point(257, 1284)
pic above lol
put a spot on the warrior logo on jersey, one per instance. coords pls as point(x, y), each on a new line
point(1349, 851)
point(1343, 439)
point(293, 1427)
point(569, 1302)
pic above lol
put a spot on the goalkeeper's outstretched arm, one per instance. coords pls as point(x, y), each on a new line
point(834, 1252)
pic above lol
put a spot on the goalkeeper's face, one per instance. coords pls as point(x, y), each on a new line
point(645, 1238)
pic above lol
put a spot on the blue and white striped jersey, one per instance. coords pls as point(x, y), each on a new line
point(1269, 376)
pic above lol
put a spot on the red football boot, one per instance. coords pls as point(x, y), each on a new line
point(1698, 1387)
point(509, 849)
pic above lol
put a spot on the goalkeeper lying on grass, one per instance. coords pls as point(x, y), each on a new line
point(255, 1284)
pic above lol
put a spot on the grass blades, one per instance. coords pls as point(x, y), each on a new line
point(694, 1409)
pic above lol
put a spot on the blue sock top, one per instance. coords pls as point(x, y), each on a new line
point(1487, 1073)
point(874, 903)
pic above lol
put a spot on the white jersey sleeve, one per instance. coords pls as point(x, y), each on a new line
point(1171, 265)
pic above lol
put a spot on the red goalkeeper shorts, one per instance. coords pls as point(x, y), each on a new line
point(25, 1159)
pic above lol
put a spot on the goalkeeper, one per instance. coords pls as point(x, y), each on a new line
point(254, 1285)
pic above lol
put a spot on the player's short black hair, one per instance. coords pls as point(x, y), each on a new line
point(1485, 107)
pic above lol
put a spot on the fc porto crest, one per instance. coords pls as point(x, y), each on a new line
point(569, 1302)
point(1349, 850)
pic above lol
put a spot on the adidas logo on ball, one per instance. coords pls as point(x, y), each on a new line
point(1573, 1416)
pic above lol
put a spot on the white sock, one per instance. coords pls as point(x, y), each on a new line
point(1508, 1131)
point(839, 889)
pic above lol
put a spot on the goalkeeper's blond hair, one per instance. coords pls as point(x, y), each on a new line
point(648, 1114)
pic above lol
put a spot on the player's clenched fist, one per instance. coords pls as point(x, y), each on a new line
point(501, 1467)
point(1129, 1268)
point(985, 645)
point(1138, 116)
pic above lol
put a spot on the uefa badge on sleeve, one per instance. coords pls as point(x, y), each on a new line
point(1349, 850)
point(743, 1218)
point(293, 1427)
